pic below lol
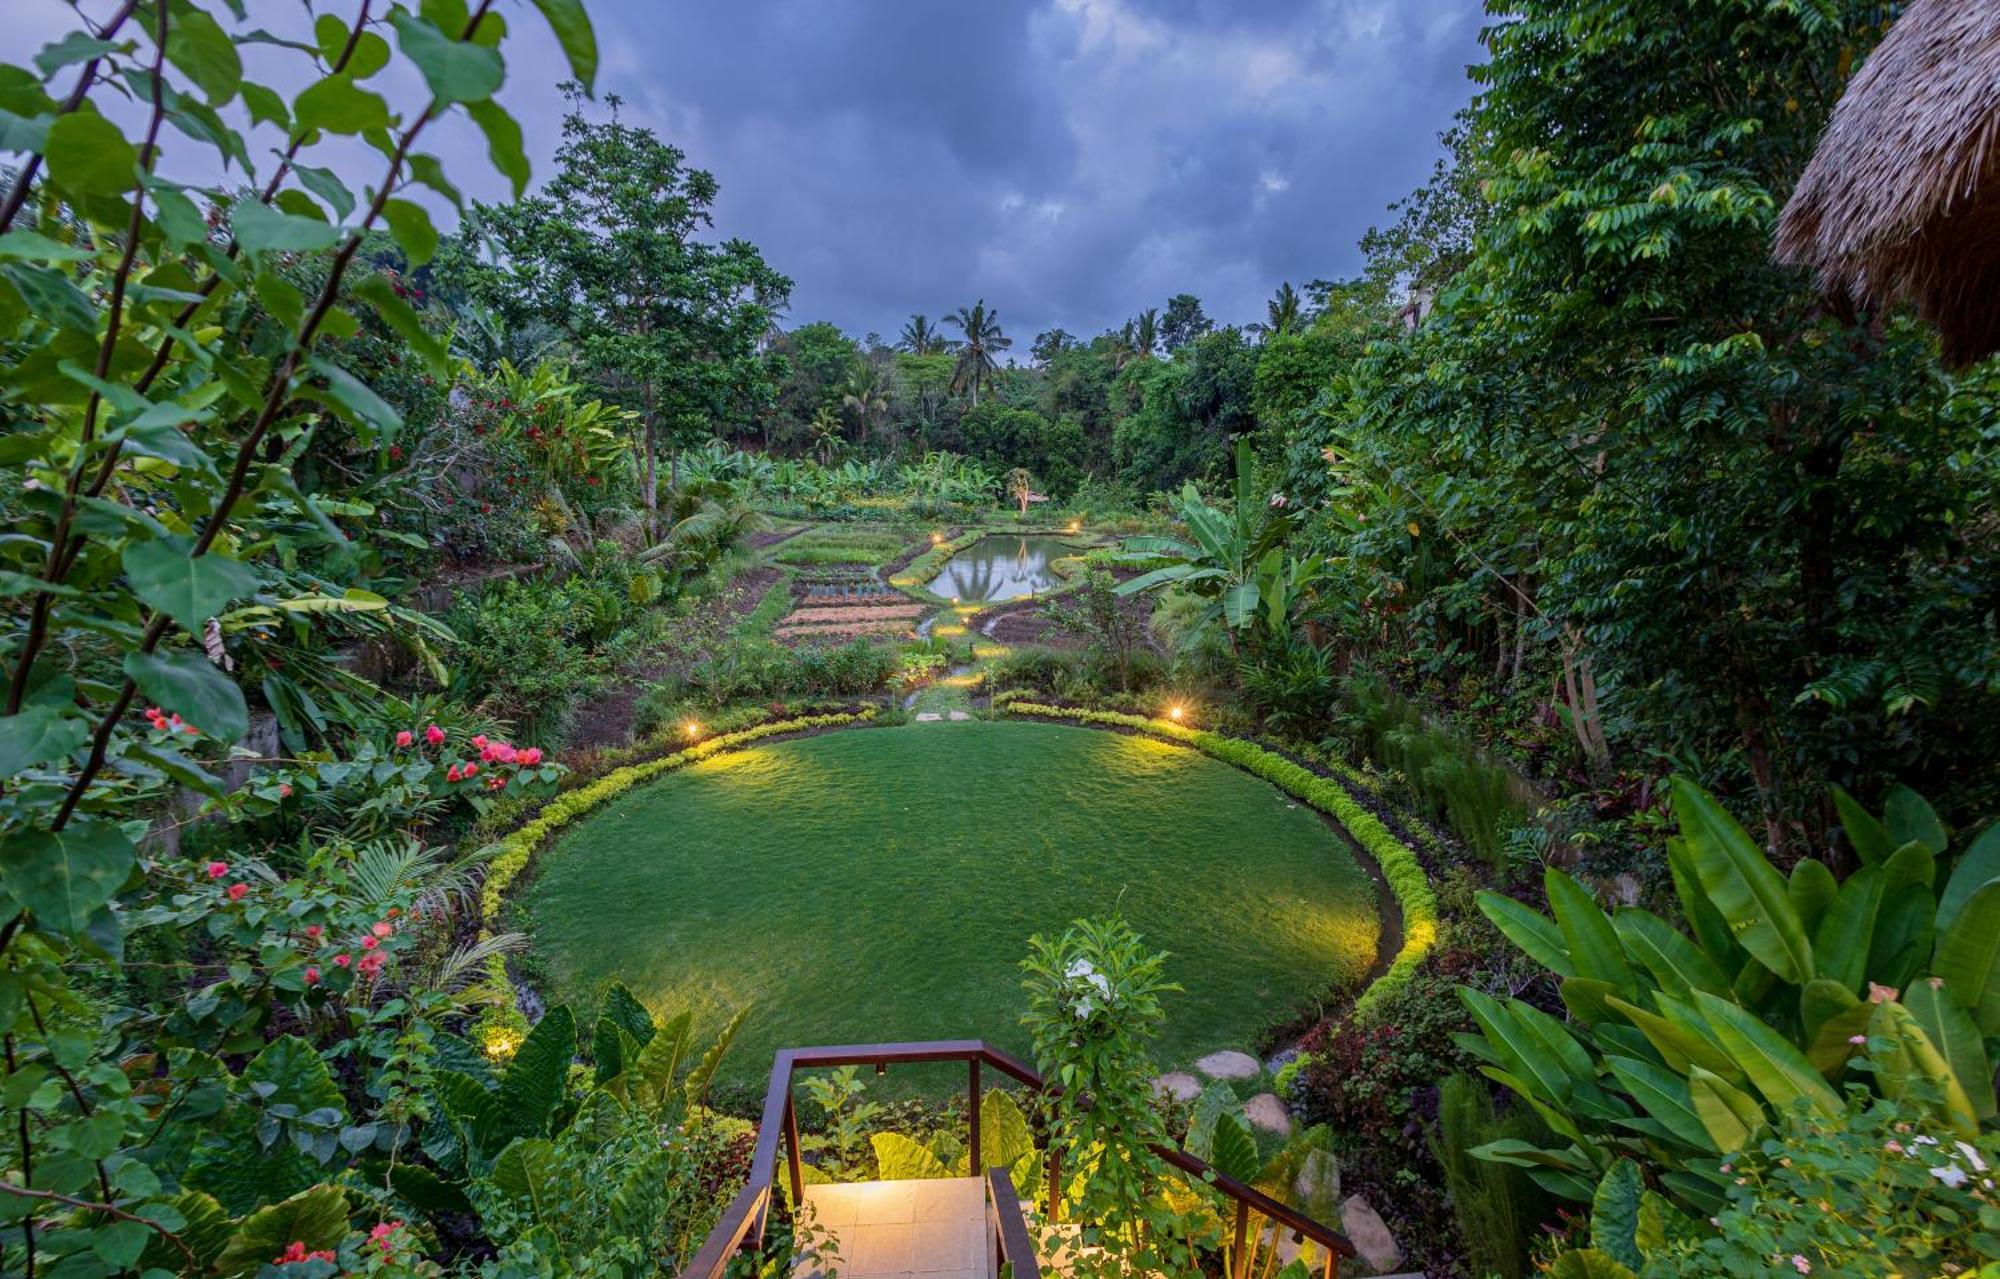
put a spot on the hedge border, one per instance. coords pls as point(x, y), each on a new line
point(1399, 864)
point(518, 846)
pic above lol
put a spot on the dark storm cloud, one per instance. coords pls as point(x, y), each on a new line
point(1070, 161)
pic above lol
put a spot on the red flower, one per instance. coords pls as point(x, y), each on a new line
point(295, 1252)
point(216, 870)
point(372, 964)
point(370, 943)
point(312, 975)
point(383, 928)
point(471, 769)
point(452, 774)
point(405, 738)
point(479, 740)
point(495, 782)
point(237, 891)
point(529, 757)
point(379, 1236)
point(434, 735)
point(343, 959)
point(395, 911)
point(284, 790)
point(313, 931)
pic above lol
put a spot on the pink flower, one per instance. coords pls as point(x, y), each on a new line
point(343, 959)
point(1801, 1265)
point(216, 870)
point(383, 928)
point(405, 738)
point(530, 757)
point(372, 964)
point(479, 740)
point(237, 891)
point(505, 753)
point(284, 790)
point(471, 769)
point(370, 943)
point(380, 1235)
point(452, 774)
point(313, 931)
point(434, 735)
point(312, 975)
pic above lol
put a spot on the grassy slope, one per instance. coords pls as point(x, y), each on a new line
point(882, 884)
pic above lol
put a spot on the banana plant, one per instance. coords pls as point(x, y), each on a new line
point(1222, 559)
point(1682, 1047)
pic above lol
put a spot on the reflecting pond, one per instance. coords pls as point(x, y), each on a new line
point(1005, 567)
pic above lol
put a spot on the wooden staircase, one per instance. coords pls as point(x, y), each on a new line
point(946, 1227)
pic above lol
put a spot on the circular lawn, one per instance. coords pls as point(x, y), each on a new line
point(882, 884)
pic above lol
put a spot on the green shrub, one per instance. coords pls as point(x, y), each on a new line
point(1453, 780)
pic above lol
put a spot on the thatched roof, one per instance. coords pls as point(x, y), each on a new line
point(1901, 202)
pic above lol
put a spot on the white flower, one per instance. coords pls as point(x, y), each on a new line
point(1951, 1175)
point(1972, 1156)
point(1923, 1141)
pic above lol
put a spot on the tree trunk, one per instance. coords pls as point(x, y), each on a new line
point(652, 486)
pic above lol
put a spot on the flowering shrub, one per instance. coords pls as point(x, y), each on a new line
point(410, 780)
point(1399, 864)
point(1093, 1006)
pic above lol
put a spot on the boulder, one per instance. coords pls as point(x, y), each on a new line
point(1267, 1112)
point(1370, 1234)
point(1179, 1085)
point(1228, 1065)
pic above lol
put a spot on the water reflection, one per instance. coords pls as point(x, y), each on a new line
point(1000, 568)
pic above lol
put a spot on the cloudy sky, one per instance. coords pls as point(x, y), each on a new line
point(1070, 161)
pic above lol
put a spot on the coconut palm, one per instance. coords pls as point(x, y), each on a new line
point(867, 395)
point(1284, 310)
point(975, 353)
point(920, 337)
point(825, 428)
point(1140, 337)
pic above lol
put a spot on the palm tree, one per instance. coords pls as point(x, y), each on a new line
point(921, 338)
point(1140, 337)
point(867, 393)
point(1284, 310)
point(975, 354)
point(825, 428)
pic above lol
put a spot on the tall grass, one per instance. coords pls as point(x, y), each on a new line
point(1454, 781)
point(1498, 1207)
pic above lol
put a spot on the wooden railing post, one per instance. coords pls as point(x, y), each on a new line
point(976, 1165)
point(792, 1153)
point(1055, 1182)
point(1239, 1250)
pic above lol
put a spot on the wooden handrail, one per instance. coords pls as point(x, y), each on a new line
point(1010, 1225)
point(742, 1224)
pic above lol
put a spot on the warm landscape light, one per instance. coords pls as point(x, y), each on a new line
point(1076, 526)
point(1175, 712)
point(692, 729)
point(937, 539)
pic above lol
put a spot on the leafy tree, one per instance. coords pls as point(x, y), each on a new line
point(1651, 449)
point(608, 254)
point(1050, 344)
point(976, 349)
point(1183, 323)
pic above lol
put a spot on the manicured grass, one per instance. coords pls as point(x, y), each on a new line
point(881, 884)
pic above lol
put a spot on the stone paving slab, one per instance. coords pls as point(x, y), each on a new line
point(1228, 1065)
